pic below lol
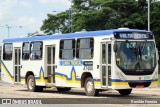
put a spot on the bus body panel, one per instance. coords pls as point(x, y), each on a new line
point(7, 71)
point(68, 73)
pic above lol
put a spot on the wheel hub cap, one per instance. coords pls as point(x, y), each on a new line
point(90, 86)
point(31, 84)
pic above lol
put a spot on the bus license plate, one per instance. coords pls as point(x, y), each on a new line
point(140, 86)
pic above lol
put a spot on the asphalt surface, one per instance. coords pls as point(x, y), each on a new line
point(77, 96)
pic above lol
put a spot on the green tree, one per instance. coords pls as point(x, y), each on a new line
point(55, 23)
point(99, 14)
point(105, 14)
point(155, 21)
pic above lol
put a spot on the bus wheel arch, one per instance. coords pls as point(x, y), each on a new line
point(88, 83)
point(27, 75)
point(31, 83)
point(84, 76)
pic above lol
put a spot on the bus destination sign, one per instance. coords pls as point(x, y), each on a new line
point(134, 35)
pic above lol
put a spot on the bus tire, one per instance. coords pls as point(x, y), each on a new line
point(63, 89)
point(125, 91)
point(89, 87)
point(31, 85)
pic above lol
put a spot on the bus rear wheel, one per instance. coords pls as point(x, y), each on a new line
point(63, 89)
point(125, 91)
point(31, 85)
point(89, 87)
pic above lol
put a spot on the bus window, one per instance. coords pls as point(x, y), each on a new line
point(85, 48)
point(36, 50)
point(25, 51)
point(136, 55)
point(109, 54)
point(67, 49)
point(103, 53)
point(7, 51)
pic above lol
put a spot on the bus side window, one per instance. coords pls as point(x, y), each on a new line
point(36, 50)
point(7, 51)
point(25, 51)
point(67, 49)
point(85, 48)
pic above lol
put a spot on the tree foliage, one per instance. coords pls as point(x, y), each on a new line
point(105, 14)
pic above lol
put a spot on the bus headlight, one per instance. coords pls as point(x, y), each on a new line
point(155, 77)
point(121, 76)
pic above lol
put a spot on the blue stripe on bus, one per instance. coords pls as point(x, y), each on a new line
point(6, 69)
point(42, 71)
point(69, 78)
point(69, 35)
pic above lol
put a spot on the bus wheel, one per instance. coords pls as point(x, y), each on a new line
point(89, 87)
point(31, 85)
point(125, 91)
point(63, 89)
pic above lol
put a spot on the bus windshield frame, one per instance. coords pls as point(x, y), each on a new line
point(136, 57)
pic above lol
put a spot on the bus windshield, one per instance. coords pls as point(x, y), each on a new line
point(136, 55)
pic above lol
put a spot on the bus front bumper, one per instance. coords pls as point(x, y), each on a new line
point(127, 85)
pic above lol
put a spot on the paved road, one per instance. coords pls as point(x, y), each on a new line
point(77, 95)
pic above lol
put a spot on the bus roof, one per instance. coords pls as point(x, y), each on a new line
point(71, 35)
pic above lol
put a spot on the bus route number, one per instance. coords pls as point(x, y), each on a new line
point(88, 68)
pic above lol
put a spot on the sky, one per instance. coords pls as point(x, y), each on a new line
point(26, 13)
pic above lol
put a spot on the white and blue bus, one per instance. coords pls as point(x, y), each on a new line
point(119, 59)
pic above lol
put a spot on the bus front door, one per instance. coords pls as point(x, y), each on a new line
point(17, 65)
point(50, 64)
point(106, 64)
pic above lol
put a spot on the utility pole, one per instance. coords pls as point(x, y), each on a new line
point(70, 17)
point(70, 12)
point(70, 20)
point(148, 15)
point(9, 27)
